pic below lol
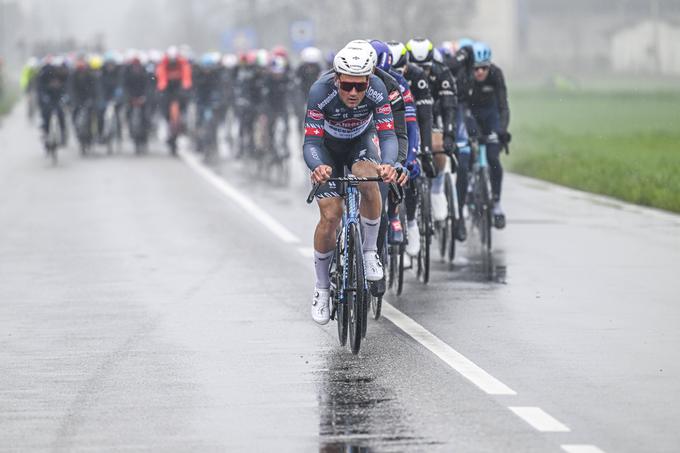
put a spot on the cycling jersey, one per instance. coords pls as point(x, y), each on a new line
point(174, 75)
point(410, 116)
point(420, 89)
point(443, 89)
point(398, 111)
point(491, 93)
point(327, 114)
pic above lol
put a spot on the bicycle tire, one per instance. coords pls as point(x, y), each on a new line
point(487, 210)
point(426, 230)
point(337, 298)
point(357, 298)
point(451, 195)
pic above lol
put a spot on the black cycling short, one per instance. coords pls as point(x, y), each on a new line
point(341, 154)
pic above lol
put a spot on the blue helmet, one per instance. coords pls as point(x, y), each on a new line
point(384, 55)
point(482, 53)
point(465, 42)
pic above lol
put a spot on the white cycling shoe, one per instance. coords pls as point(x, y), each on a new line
point(321, 311)
point(413, 246)
point(373, 267)
point(439, 206)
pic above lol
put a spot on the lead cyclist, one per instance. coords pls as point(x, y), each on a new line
point(348, 123)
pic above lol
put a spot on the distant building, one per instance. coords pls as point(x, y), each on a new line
point(648, 47)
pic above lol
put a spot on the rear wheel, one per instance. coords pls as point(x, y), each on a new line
point(451, 197)
point(425, 226)
point(357, 295)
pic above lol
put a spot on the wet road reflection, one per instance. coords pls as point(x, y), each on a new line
point(358, 413)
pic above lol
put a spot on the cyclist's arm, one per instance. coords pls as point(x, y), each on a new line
point(312, 148)
point(384, 125)
point(411, 124)
point(502, 94)
point(424, 102)
point(449, 101)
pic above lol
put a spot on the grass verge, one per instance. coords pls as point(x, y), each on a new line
point(622, 144)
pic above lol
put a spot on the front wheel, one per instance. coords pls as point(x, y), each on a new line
point(357, 293)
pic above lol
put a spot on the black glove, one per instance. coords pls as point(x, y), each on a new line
point(504, 137)
point(449, 143)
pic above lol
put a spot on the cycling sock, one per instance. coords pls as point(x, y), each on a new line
point(370, 229)
point(438, 183)
point(412, 224)
point(322, 263)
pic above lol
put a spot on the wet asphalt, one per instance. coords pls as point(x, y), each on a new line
point(142, 310)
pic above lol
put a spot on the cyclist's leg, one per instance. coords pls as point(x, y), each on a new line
point(463, 155)
point(490, 124)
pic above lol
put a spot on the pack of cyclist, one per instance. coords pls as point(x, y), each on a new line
point(406, 112)
point(374, 114)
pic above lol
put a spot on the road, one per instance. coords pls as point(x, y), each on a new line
point(144, 306)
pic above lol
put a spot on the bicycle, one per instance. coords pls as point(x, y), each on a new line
point(54, 137)
point(111, 127)
point(137, 124)
point(85, 125)
point(480, 198)
point(349, 291)
point(445, 230)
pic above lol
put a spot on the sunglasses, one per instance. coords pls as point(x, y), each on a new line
point(359, 86)
point(482, 68)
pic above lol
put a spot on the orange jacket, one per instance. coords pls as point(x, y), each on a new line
point(167, 72)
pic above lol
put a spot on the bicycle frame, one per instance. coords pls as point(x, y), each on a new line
point(350, 216)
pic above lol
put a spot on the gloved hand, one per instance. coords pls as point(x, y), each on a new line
point(449, 143)
point(504, 137)
point(413, 168)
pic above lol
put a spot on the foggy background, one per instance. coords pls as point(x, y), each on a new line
point(528, 37)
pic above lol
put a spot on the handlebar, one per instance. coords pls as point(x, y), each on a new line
point(354, 181)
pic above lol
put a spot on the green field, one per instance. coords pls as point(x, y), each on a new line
point(625, 144)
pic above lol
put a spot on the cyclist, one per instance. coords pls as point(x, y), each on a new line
point(247, 91)
point(420, 89)
point(443, 89)
point(208, 88)
point(277, 89)
point(83, 88)
point(489, 108)
point(174, 81)
point(28, 84)
point(307, 73)
point(460, 64)
point(410, 122)
point(111, 90)
point(348, 123)
point(136, 87)
point(51, 88)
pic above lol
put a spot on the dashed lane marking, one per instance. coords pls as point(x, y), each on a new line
point(539, 419)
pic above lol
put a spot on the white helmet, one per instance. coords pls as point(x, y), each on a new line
point(355, 60)
point(311, 55)
point(366, 45)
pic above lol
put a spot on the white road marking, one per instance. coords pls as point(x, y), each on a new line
point(450, 356)
point(581, 448)
point(234, 195)
point(539, 419)
point(307, 252)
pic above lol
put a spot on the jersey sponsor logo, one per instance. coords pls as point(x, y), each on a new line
point(384, 125)
point(328, 99)
point(408, 96)
point(487, 89)
point(384, 110)
point(374, 95)
point(446, 84)
point(348, 128)
point(393, 95)
point(315, 115)
point(422, 84)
